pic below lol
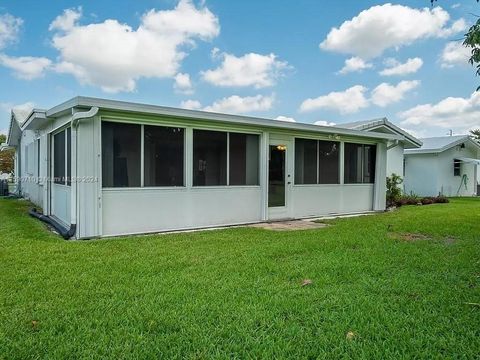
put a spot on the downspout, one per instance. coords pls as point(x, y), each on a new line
point(76, 118)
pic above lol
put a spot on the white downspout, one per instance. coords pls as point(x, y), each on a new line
point(76, 117)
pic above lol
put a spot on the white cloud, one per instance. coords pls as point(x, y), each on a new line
point(183, 84)
point(26, 67)
point(381, 27)
point(119, 55)
point(250, 69)
point(457, 113)
point(345, 102)
point(354, 64)
point(67, 20)
point(285, 118)
point(411, 66)
point(191, 104)
point(237, 105)
point(324, 123)
point(454, 53)
point(455, 6)
point(3, 132)
point(386, 94)
point(9, 29)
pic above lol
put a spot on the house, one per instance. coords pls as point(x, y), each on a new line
point(446, 165)
point(104, 168)
point(395, 149)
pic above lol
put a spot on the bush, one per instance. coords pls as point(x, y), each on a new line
point(393, 191)
point(440, 199)
point(413, 199)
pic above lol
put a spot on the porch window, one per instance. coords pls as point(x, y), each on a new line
point(244, 159)
point(360, 163)
point(62, 153)
point(316, 162)
point(209, 158)
point(163, 156)
point(121, 154)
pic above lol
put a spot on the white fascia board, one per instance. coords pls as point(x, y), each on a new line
point(446, 147)
point(113, 105)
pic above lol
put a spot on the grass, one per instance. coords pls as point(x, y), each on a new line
point(395, 285)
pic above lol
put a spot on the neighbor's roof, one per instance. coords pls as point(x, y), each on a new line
point(122, 106)
point(372, 125)
point(442, 143)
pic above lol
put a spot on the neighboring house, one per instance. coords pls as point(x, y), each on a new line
point(446, 165)
point(395, 149)
point(102, 168)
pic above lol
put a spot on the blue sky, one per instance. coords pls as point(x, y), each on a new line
point(272, 58)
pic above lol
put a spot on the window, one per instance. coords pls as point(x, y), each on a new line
point(121, 154)
point(244, 162)
point(456, 167)
point(328, 160)
point(209, 158)
point(163, 156)
point(37, 148)
point(316, 162)
point(62, 153)
point(306, 161)
point(359, 163)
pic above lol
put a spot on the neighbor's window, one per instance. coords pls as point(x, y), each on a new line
point(121, 154)
point(359, 163)
point(163, 156)
point(328, 160)
point(244, 159)
point(316, 162)
point(306, 161)
point(209, 158)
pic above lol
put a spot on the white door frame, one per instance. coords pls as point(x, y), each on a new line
point(282, 212)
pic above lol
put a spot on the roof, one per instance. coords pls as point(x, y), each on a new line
point(372, 125)
point(442, 143)
point(123, 106)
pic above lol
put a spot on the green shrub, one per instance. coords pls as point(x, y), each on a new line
point(393, 191)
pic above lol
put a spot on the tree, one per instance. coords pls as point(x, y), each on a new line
point(6, 157)
point(475, 134)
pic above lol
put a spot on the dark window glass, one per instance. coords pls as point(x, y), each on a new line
point(306, 158)
point(120, 154)
point(328, 160)
point(209, 158)
point(38, 159)
point(69, 156)
point(244, 159)
point(359, 163)
point(276, 176)
point(456, 167)
point(59, 158)
point(163, 156)
point(369, 160)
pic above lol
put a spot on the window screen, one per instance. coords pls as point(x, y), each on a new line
point(163, 156)
point(121, 154)
point(59, 158)
point(359, 163)
point(209, 158)
point(244, 159)
point(328, 160)
point(306, 161)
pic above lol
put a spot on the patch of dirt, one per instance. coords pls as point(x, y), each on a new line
point(290, 225)
point(414, 237)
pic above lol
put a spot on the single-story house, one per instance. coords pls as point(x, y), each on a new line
point(396, 148)
point(446, 165)
point(104, 168)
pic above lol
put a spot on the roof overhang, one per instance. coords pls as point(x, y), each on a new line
point(37, 119)
point(469, 160)
point(466, 139)
point(81, 102)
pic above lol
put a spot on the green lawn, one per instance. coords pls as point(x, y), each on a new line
point(237, 293)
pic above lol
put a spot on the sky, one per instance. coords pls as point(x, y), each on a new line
point(325, 62)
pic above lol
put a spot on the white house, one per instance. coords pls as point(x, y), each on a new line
point(445, 165)
point(395, 148)
point(102, 168)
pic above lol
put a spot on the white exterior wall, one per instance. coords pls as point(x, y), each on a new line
point(432, 174)
point(31, 187)
point(395, 161)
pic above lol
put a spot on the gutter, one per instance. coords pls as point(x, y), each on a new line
point(76, 118)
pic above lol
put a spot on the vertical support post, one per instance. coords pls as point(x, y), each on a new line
point(380, 186)
point(342, 163)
